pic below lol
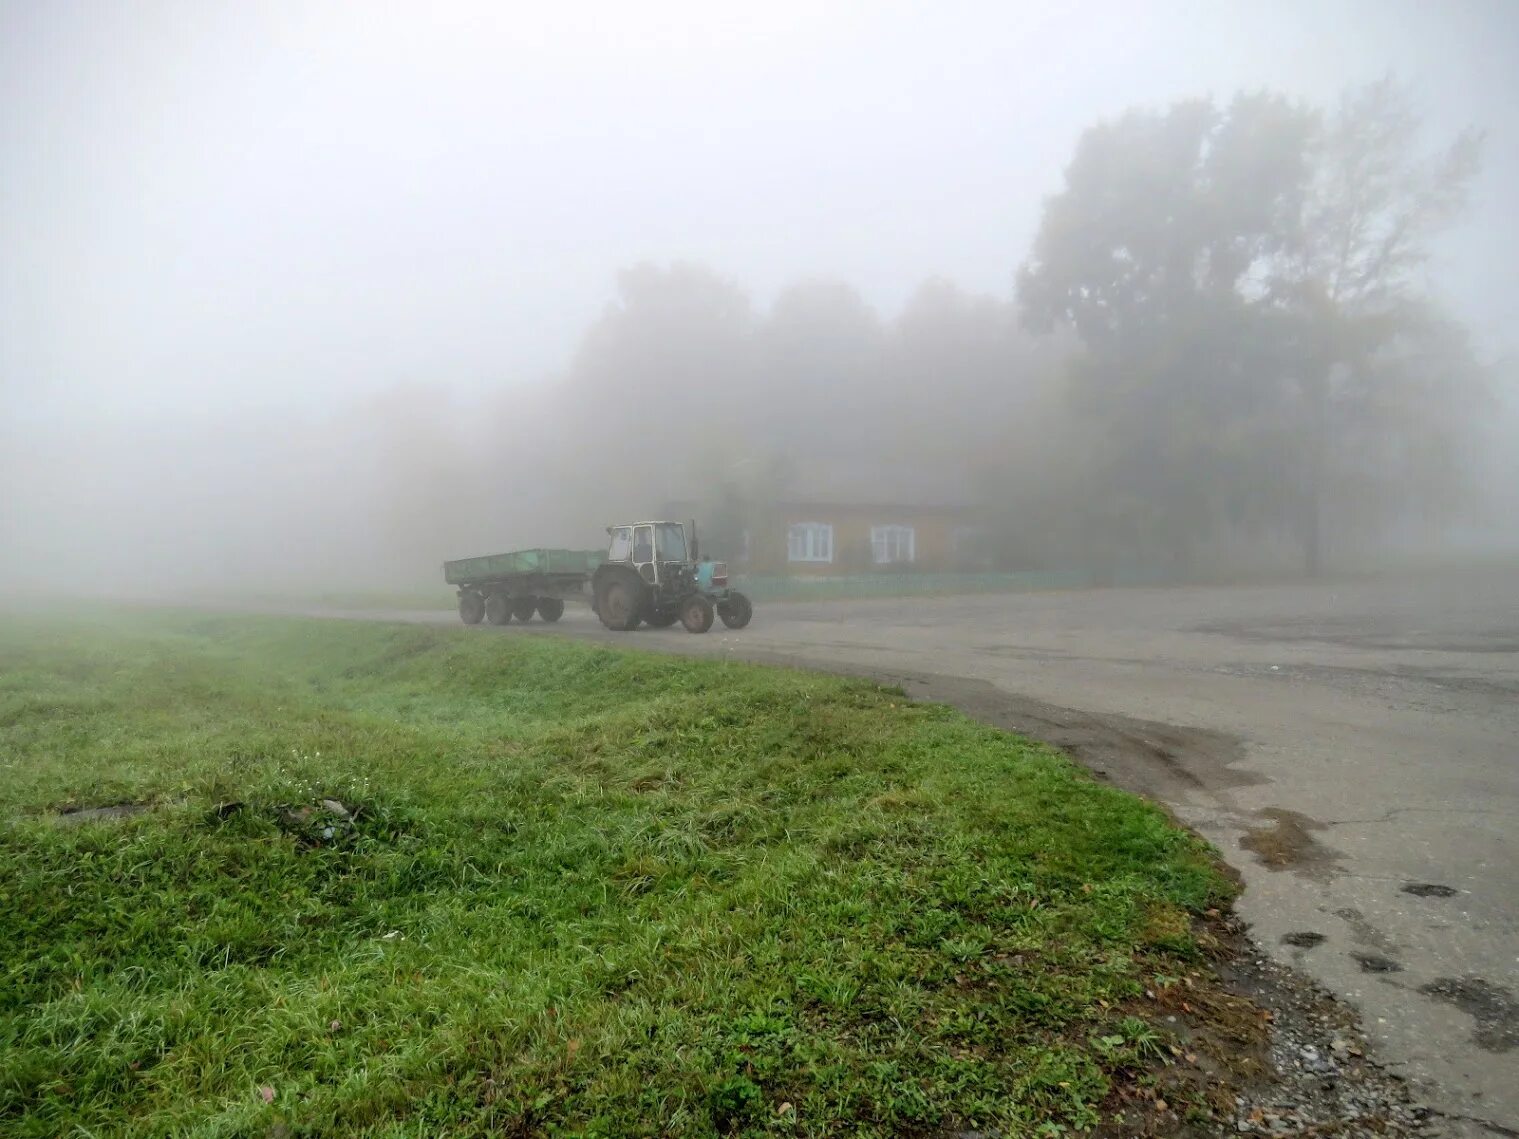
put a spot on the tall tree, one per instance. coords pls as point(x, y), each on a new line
point(1244, 282)
point(1384, 384)
point(665, 366)
point(1147, 254)
point(820, 360)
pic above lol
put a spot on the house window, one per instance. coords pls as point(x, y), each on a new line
point(890, 544)
point(809, 542)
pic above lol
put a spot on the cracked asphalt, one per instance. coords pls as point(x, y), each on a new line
point(1352, 748)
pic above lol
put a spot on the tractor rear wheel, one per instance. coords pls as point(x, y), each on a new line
point(524, 608)
point(696, 613)
point(619, 603)
point(471, 608)
point(498, 609)
point(550, 608)
point(735, 610)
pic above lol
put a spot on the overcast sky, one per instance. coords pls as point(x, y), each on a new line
point(207, 207)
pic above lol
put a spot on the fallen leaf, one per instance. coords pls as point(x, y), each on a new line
point(266, 1093)
point(1161, 1105)
point(572, 1048)
point(334, 1026)
point(784, 1109)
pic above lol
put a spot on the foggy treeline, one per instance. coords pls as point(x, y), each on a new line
point(1221, 352)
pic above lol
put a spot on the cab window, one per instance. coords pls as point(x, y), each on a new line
point(622, 544)
point(643, 544)
point(672, 542)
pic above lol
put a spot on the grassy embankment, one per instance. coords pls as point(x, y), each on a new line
point(558, 889)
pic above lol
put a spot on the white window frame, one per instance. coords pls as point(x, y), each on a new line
point(809, 542)
point(893, 544)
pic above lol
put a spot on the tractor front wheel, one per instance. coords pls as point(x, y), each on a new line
point(498, 609)
point(696, 613)
point(735, 610)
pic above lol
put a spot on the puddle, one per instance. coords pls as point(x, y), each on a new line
point(1493, 1007)
point(1430, 890)
point(1288, 844)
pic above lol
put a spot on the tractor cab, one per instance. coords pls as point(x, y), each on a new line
point(658, 551)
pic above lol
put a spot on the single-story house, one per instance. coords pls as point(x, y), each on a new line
point(833, 520)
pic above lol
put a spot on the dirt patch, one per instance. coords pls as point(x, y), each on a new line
point(77, 816)
point(1493, 1007)
point(1376, 963)
point(1163, 762)
point(1253, 1048)
point(1288, 844)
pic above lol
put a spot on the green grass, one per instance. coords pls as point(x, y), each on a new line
point(584, 892)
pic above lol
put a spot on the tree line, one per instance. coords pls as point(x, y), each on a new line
point(1223, 338)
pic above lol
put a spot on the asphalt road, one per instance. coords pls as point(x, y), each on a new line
point(1352, 748)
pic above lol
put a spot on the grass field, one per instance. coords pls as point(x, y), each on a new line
point(412, 881)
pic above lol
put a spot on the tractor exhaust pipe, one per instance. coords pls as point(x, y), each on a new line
point(691, 530)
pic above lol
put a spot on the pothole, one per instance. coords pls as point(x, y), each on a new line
point(1303, 939)
point(1376, 963)
point(1492, 1007)
point(1430, 890)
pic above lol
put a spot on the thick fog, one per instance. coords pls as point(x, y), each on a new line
point(309, 297)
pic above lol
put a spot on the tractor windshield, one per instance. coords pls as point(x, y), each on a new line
point(670, 540)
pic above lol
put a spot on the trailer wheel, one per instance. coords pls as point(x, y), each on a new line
point(735, 610)
point(696, 613)
point(550, 608)
point(523, 608)
point(471, 608)
point(498, 609)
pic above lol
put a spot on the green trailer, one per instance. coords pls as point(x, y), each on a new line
point(500, 587)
